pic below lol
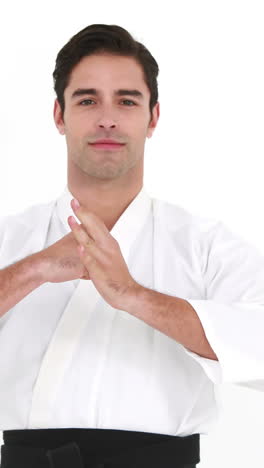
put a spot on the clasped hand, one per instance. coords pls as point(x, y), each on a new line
point(102, 257)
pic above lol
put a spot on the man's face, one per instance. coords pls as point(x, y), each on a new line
point(89, 117)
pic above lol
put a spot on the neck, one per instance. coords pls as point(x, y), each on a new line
point(108, 202)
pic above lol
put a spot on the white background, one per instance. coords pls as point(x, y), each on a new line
point(205, 155)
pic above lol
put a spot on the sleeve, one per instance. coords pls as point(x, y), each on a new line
point(232, 313)
point(2, 234)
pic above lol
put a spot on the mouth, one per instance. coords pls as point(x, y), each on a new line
point(107, 146)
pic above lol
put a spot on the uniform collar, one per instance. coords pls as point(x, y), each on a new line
point(127, 226)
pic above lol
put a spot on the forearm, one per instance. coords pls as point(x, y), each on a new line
point(18, 280)
point(173, 316)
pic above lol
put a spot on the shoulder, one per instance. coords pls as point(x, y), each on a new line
point(174, 217)
point(25, 219)
point(21, 233)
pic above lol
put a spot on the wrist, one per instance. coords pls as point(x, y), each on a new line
point(133, 298)
point(38, 266)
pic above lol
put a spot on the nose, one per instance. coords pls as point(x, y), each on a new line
point(106, 124)
point(107, 117)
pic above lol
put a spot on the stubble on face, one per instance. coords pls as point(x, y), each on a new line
point(104, 165)
point(98, 163)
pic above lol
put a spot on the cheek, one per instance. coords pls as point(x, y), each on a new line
point(138, 126)
point(76, 122)
point(78, 130)
point(142, 134)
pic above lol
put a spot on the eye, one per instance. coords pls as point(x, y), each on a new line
point(85, 100)
point(128, 100)
point(124, 100)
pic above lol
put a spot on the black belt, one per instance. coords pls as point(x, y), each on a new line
point(96, 448)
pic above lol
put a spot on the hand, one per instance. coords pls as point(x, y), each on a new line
point(102, 258)
point(61, 262)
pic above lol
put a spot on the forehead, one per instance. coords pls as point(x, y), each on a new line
point(105, 70)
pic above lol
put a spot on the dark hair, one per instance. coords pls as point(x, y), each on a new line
point(103, 38)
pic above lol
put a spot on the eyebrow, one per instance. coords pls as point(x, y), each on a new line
point(118, 92)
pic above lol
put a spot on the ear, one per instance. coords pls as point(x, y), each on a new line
point(58, 119)
point(154, 120)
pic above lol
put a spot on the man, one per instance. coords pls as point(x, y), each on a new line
point(119, 315)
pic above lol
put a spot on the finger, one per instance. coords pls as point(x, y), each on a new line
point(95, 227)
point(90, 247)
point(79, 232)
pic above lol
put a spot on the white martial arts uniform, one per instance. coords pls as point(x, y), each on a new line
point(70, 360)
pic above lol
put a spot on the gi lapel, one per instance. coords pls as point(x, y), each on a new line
point(81, 304)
